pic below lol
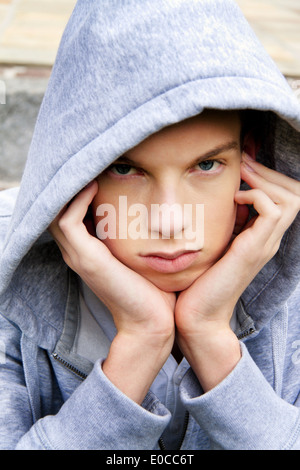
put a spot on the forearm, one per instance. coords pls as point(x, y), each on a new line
point(98, 416)
point(212, 354)
point(243, 412)
point(134, 362)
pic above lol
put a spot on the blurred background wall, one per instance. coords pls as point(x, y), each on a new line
point(30, 32)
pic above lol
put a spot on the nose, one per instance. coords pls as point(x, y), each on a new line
point(167, 220)
point(167, 215)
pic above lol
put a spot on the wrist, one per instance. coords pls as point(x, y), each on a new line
point(134, 361)
point(212, 354)
point(146, 345)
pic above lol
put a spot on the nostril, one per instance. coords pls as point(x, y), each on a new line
point(168, 220)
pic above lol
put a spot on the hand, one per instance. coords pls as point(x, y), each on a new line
point(133, 301)
point(204, 310)
point(143, 314)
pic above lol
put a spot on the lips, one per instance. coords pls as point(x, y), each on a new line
point(170, 262)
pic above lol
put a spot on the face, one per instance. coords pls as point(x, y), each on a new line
point(189, 171)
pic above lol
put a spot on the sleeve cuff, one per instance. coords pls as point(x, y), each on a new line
point(99, 416)
point(242, 412)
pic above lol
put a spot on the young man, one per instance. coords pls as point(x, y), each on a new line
point(157, 341)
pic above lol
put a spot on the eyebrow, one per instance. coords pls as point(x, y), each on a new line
point(232, 145)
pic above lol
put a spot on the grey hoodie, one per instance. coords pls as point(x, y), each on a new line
point(123, 71)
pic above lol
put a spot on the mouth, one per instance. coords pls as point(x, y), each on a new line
point(170, 262)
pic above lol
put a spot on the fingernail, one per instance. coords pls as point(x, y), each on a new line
point(248, 168)
point(247, 157)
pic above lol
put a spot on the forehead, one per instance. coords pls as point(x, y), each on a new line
point(190, 138)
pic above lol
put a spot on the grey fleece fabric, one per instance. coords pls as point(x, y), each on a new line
point(123, 71)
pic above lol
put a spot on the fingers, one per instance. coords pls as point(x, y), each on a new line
point(80, 202)
point(73, 214)
point(270, 175)
point(275, 197)
point(265, 225)
point(77, 209)
point(68, 228)
point(281, 189)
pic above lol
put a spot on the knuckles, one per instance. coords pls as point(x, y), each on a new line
point(64, 224)
point(276, 213)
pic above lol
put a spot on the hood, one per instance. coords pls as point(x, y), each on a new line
point(123, 71)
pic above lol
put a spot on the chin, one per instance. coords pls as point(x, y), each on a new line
point(173, 285)
point(180, 281)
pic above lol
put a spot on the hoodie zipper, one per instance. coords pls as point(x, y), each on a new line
point(246, 333)
point(69, 366)
point(161, 443)
point(186, 422)
point(82, 375)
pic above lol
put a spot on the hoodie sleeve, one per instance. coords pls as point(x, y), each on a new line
point(15, 411)
point(96, 416)
point(243, 412)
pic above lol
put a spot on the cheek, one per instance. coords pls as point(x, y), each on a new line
point(219, 221)
point(123, 250)
point(113, 229)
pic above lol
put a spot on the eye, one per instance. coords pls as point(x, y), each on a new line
point(122, 169)
point(208, 165)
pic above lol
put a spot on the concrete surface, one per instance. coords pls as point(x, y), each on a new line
point(30, 32)
point(24, 91)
